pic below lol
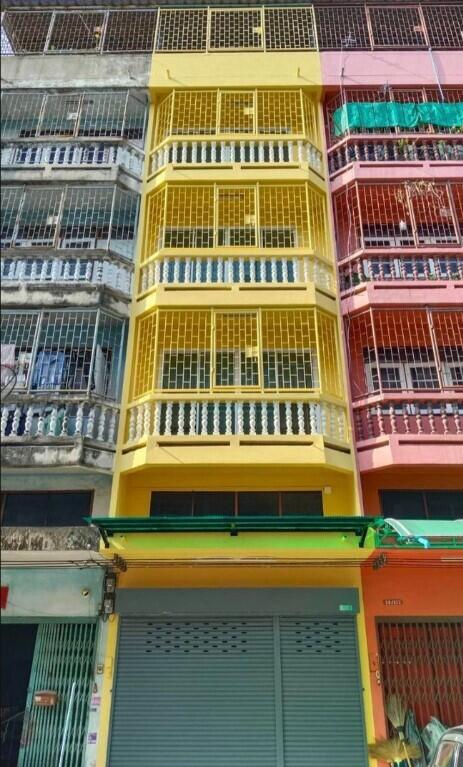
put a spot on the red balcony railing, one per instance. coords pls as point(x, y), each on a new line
point(429, 418)
point(400, 269)
point(410, 215)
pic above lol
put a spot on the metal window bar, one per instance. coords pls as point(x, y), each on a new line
point(132, 31)
point(420, 660)
point(237, 29)
point(180, 29)
point(405, 350)
point(290, 29)
point(25, 32)
point(81, 31)
point(445, 25)
point(101, 114)
point(67, 351)
point(267, 350)
point(397, 27)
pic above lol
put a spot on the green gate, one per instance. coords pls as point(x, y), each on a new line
point(63, 655)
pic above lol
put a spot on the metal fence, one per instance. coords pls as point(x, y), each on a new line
point(262, 28)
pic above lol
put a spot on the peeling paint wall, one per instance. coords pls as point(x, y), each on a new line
point(50, 539)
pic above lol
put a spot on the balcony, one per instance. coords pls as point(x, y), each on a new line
point(74, 218)
point(244, 272)
point(73, 131)
point(43, 431)
point(262, 127)
point(64, 352)
point(46, 274)
point(422, 215)
point(224, 218)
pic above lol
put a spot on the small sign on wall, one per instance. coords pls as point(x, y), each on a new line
point(393, 602)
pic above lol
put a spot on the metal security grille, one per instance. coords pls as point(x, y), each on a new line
point(236, 29)
point(268, 688)
point(405, 350)
point(342, 28)
point(73, 31)
point(184, 217)
point(414, 214)
point(74, 217)
point(267, 350)
point(63, 657)
point(263, 112)
point(445, 25)
point(64, 350)
point(421, 661)
point(115, 114)
point(397, 27)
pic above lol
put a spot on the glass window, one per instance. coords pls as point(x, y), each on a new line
point(402, 504)
point(46, 509)
point(171, 504)
point(257, 504)
point(444, 504)
point(213, 504)
point(302, 503)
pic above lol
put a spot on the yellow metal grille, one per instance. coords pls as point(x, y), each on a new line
point(267, 350)
point(145, 351)
point(328, 354)
point(214, 216)
point(237, 112)
point(224, 112)
point(283, 217)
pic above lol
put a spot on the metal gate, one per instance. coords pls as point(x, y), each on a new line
point(260, 692)
point(64, 654)
point(422, 661)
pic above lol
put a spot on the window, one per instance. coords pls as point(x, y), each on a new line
point(225, 504)
point(46, 509)
point(401, 368)
point(422, 504)
point(290, 369)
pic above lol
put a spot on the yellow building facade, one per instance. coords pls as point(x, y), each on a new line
point(235, 430)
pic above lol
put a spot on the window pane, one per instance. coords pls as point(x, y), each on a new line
point(206, 504)
point(402, 504)
point(171, 504)
point(253, 504)
point(302, 503)
point(46, 509)
point(447, 504)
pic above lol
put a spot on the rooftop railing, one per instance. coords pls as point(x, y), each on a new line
point(263, 28)
point(100, 217)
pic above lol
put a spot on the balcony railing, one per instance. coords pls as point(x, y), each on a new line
point(411, 215)
point(206, 153)
point(402, 270)
point(226, 418)
point(428, 418)
point(380, 149)
point(58, 420)
point(68, 350)
point(213, 216)
point(56, 271)
point(214, 29)
point(99, 217)
point(236, 271)
point(72, 155)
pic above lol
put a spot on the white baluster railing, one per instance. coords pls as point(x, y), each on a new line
point(72, 154)
point(256, 419)
point(54, 270)
point(25, 422)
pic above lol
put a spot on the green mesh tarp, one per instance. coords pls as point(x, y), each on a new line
point(392, 114)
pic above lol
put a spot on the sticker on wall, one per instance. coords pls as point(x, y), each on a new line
point(92, 736)
point(392, 602)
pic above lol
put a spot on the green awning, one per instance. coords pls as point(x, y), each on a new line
point(424, 533)
point(393, 114)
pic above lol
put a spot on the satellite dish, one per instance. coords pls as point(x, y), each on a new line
point(8, 380)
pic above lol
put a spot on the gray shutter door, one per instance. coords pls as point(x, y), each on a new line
point(194, 693)
point(322, 694)
point(276, 692)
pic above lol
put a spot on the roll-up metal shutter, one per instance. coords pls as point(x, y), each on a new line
point(321, 691)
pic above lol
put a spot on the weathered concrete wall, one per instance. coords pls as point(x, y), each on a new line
point(62, 480)
point(50, 539)
point(108, 71)
point(49, 592)
point(70, 175)
point(64, 452)
point(75, 295)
